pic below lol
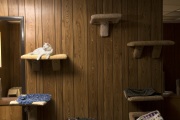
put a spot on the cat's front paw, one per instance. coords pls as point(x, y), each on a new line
point(47, 57)
point(38, 58)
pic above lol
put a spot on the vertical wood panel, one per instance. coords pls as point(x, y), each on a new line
point(13, 7)
point(30, 45)
point(59, 85)
point(108, 79)
point(4, 7)
point(124, 49)
point(144, 33)
point(80, 58)
point(100, 66)
point(49, 80)
point(10, 113)
point(117, 64)
point(59, 75)
point(92, 62)
point(22, 9)
point(48, 22)
point(39, 43)
point(67, 47)
point(156, 63)
point(39, 40)
point(107, 6)
point(132, 36)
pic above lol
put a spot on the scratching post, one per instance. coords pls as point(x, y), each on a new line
point(104, 20)
point(104, 29)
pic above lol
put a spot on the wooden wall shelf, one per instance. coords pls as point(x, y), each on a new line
point(104, 20)
point(145, 98)
point(52, 57)
point(36, 63)
point(157, 46)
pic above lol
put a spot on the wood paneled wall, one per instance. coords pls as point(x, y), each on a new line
point(91, 81)
point(10, 113)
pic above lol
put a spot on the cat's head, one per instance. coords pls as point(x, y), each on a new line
point(47, 47)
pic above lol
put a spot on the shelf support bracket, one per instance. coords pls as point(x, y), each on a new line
point(56, 65)
point(156, 52)
point(138, 51)
point(35, 65)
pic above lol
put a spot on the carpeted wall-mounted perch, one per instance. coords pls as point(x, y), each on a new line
point(156, 44)
point(104, 20)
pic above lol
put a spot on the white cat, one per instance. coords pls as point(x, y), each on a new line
point(45, 50)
